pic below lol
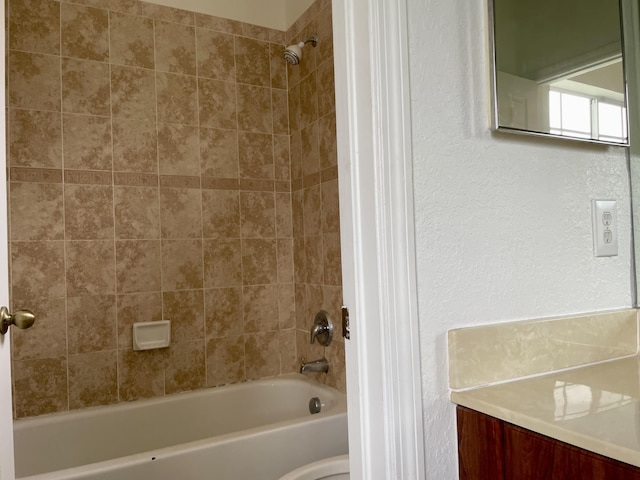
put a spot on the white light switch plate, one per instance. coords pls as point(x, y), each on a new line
point(605, 228)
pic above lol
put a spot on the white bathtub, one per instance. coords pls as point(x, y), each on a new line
point(257, 430)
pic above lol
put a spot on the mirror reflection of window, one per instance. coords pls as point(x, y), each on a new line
point(558, 68)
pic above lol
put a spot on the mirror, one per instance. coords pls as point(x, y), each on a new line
point(558, 70)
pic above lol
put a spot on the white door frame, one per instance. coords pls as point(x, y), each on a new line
point(6, 410)
point(377, 229)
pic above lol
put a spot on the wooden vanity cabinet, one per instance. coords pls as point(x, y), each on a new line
point(491, 449)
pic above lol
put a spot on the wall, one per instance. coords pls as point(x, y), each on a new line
point(503, 226)
point(314, 173)
point(149, 178)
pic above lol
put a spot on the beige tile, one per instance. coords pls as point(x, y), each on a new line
point(296, 155)
point(225, 361)
point(282, 164)
point(137, 212)
point(186, 367)
point(222, 263)
point(178, 149)
point(37, 270)
point(133, 93)
point(332, 259)
point(284, 225)
point(185, 311)
point(91, 323)
point(262, 352)
point(175, 48)
point(90, 267)
point(36, 211)
point(289, 362)
point(299, 260)
point(223, 312)
point(327, 141)
point(217, 103)
point(254, 109)
point(255, 152)
point(280, 108)
point(40, 386)
point(325, 36)
point(219, 153)
point(177, 98)
point(215, 57)
point(218, 24)
point(87, 142)
point(137, 266)
point(85, 87)
point(257, 214)
point(131, 40)
point(310, 149)
point(253, 62)
point(133, 308)
point(312, 205)
point(337, 375)
point(314, 261)
point(256, 32)
point(84, 32)
point(309, 100)
point(47, 338)
point(326, 91)
point(278, 66)
point(34, 26)
point(260, 308)
point(259, 261)
point(135, 146)
point(88, 212)
point(285, 260)
point(332, 303)
point(140, 374)
point(34, 81)
point(168, 14)
point(221, 213)
point(330, 207)
point(35, 139)
point(93, 379)
point(286, 306)
point(297, 210)
point(180, 213)
point(301, 300)
point(181, 264)
point(131, 7)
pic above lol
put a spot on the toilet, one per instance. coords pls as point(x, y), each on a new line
point(332, 468)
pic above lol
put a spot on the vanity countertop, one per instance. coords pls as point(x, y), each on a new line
point(595, 407)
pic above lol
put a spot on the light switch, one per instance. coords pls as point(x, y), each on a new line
point(605, 228)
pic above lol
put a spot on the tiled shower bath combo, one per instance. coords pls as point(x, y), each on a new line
point(167, 165)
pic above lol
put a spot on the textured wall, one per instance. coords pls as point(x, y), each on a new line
point(149, 178)
point(503, 223)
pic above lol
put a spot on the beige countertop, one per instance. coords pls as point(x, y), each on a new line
point(595, 407)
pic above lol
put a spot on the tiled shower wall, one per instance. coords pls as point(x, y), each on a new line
point(150, 178)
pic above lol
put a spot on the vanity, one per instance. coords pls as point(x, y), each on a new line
point(553, 401)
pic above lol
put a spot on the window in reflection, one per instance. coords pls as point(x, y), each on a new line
point(583, 116)
point(574, 400)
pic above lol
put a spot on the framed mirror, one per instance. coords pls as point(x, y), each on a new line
point(558, 69)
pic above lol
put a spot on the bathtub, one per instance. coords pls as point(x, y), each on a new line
point(256, 430)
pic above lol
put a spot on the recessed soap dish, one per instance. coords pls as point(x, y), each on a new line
point(150, 335)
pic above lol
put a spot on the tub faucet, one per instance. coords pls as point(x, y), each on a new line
point(317, 366)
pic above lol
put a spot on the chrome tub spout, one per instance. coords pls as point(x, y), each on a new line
point(317, 366)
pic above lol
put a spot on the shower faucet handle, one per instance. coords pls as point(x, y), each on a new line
point(322, 329)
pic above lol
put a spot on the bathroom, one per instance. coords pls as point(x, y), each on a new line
point(472, 187)
point(149, 179)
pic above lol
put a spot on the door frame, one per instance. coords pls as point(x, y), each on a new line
point(7, 471)
point(386, 439)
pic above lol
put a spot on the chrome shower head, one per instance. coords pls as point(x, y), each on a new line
point(293, 53)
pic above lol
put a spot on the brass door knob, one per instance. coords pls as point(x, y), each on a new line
point(21, 319)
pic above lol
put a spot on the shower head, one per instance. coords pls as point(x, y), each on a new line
point(293, 53)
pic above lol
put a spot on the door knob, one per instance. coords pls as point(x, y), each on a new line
point(21, 319)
